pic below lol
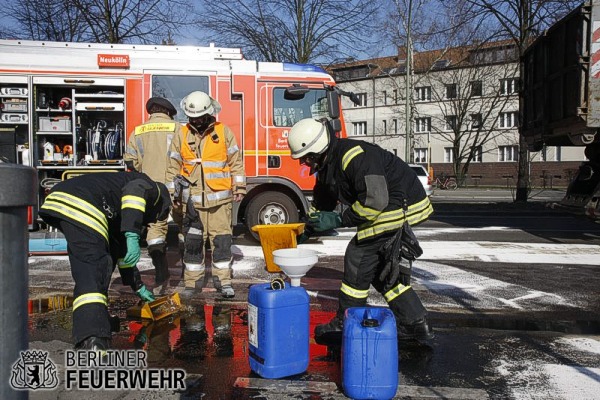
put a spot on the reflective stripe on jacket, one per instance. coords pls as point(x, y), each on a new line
point(217, 173)
point(107, 203)
point(380, 190)
point(149, 144)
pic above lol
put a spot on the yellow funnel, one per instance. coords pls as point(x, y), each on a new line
point(275, 237)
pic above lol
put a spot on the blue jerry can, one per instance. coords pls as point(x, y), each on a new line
point(369, 353)
point(278, 330)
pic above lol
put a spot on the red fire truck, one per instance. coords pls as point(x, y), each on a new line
point(68, 108)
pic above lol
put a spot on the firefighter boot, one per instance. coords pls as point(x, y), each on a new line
point(419, 331)
point(94, 343)
point(159, 260)
point(331, 332)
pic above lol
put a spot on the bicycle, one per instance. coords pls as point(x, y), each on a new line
point(447, 182)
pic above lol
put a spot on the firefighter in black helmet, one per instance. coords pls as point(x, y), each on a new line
point(102, 216)
point(383, 197)
point(148, 152)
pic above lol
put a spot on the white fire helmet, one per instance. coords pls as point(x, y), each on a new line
point(197, 104)
point(308, 136)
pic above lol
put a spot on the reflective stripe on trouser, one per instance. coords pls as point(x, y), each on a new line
point(217, 227)
point(362, 266)
point(91, 268)
point(193, 256)
point(157, 233)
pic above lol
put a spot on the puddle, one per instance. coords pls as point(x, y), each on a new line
point(207, 340)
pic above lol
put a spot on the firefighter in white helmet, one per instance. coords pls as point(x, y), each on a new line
point(206, 170)
point(148, 152)
point(383, 198)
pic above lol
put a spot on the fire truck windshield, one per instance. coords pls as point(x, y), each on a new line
point(287, 110)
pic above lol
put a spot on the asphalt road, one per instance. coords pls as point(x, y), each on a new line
point(511, 292)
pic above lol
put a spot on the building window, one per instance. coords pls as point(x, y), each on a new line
point(395, 126)
point(476, 88)
point(548, 155)
point(448, 154)
point(359, 128)
point(508, 153)
point(423, 93)
point(450, 122)
point(420, 155)
point(477, 154)
point(384, 127)
point(509, 86)
point(451, 92)
point(385, 97)
point(508, 119)
point(422, 125)
point(362, 100)
point(395, 96)
point(476, 121)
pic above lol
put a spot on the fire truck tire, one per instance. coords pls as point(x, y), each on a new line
point(269, 208)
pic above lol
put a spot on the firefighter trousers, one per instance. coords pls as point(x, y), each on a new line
point(362, 266)
point(217, 230)
point(91, 268)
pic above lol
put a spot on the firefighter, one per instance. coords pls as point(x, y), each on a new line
point(381, 193)
point(206, 159)
point(148, 152)
point(102, 215)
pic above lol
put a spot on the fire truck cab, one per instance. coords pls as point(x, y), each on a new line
point(69, 108)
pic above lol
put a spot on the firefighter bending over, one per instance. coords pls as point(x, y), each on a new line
point(148, 152)
point(102, 216)
point(210, 165)
point(383, 198)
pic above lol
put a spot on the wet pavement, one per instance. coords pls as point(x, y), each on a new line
point(487, 344)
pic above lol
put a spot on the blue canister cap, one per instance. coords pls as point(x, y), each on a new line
point(370, 323)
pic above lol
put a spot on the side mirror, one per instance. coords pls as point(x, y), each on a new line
point(295, 92)
point(333, 99)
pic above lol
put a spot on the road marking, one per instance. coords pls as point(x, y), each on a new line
point(453, 286)
point(533, 294)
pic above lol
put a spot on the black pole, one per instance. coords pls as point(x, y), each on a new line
point(18, 191)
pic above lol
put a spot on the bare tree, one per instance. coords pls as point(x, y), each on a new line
point(45, 20)
point(468, 98)
point(521, 21)
point(102, 21)
point(304, 31)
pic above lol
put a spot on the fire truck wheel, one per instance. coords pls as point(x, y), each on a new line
point(270, 208)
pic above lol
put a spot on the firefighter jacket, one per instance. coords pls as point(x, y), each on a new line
point(212, 163)
point(149, 143)
point(107, 203)
point(380, 190)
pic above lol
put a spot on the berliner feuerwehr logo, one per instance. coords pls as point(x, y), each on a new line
point(34, 370)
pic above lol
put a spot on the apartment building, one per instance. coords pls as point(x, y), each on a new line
point(462, 114)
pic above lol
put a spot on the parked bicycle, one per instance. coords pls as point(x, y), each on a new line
point(446, 182)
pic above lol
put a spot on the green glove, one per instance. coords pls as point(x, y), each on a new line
point(302, 238)
point(322, 221)
point(133, 249)
point(144, 294)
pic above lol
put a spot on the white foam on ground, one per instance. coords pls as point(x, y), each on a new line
point(573, 382)
point(582, 344)
point(508, 252)
point(505, 252)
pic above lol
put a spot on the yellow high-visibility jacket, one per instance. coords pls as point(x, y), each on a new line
point(213, 164)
